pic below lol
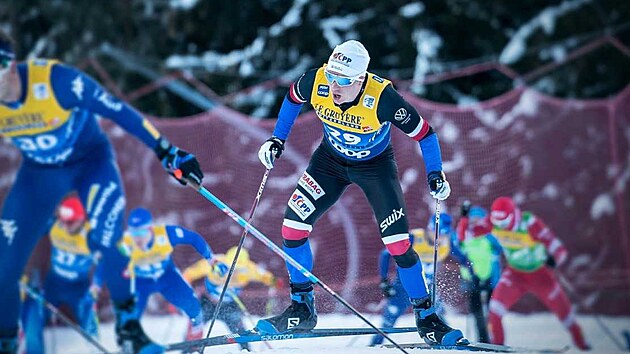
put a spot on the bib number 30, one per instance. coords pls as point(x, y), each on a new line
point(38, 143)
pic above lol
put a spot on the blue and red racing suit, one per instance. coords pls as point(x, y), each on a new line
point(355, 149)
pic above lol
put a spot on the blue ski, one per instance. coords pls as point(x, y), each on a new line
point(252, 336)
point(481, 347)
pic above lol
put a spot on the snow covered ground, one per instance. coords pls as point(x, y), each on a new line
point(532, 331)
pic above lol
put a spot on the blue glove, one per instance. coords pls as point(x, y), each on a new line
point(178, 163)
point(218, 268)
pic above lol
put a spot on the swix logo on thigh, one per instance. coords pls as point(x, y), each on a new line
point(392, 218)
point(311, 186)
point(300, 204)
point(8, 229)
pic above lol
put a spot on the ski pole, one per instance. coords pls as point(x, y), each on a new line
point(571, 293)
point(238, 251)
point(277, 250)
point(132, 278)
point(354, 339)
point(55, 311)
point(435, 249)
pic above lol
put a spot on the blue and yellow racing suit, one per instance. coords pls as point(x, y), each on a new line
point(54, 124)
point(152, 269)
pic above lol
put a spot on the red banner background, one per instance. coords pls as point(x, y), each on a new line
point(565, 160)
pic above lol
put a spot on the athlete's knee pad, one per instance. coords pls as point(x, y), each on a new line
point(398, 244)
point(295, 233)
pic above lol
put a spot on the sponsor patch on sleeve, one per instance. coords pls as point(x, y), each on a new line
point(402, 115)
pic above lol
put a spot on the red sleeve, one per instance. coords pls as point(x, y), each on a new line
point(464, 231)
point(541, 233)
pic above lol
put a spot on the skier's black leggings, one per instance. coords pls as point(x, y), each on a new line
point(476, 307)
point(377, 177)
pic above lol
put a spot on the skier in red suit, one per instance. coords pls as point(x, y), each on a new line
point(532, 253)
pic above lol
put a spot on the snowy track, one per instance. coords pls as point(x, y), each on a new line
point(534, 331)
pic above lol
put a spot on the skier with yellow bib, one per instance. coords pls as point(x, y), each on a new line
point(532, 252)
point(151, 269)
point(423, 241)
point(232, 309)
point(358, 110)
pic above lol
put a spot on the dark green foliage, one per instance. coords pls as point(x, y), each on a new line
point(471, 31)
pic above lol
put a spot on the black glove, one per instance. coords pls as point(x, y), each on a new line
point(178, 163)
point(440, 188)
point(550, 262)
point(386, 288)
point(465, 209)
point(270, 150)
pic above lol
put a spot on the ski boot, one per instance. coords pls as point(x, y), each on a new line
point(301, 315)
point(431, 327)
point(129, 334)
point(578, 338)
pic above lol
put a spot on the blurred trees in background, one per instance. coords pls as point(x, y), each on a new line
point(231, 45)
